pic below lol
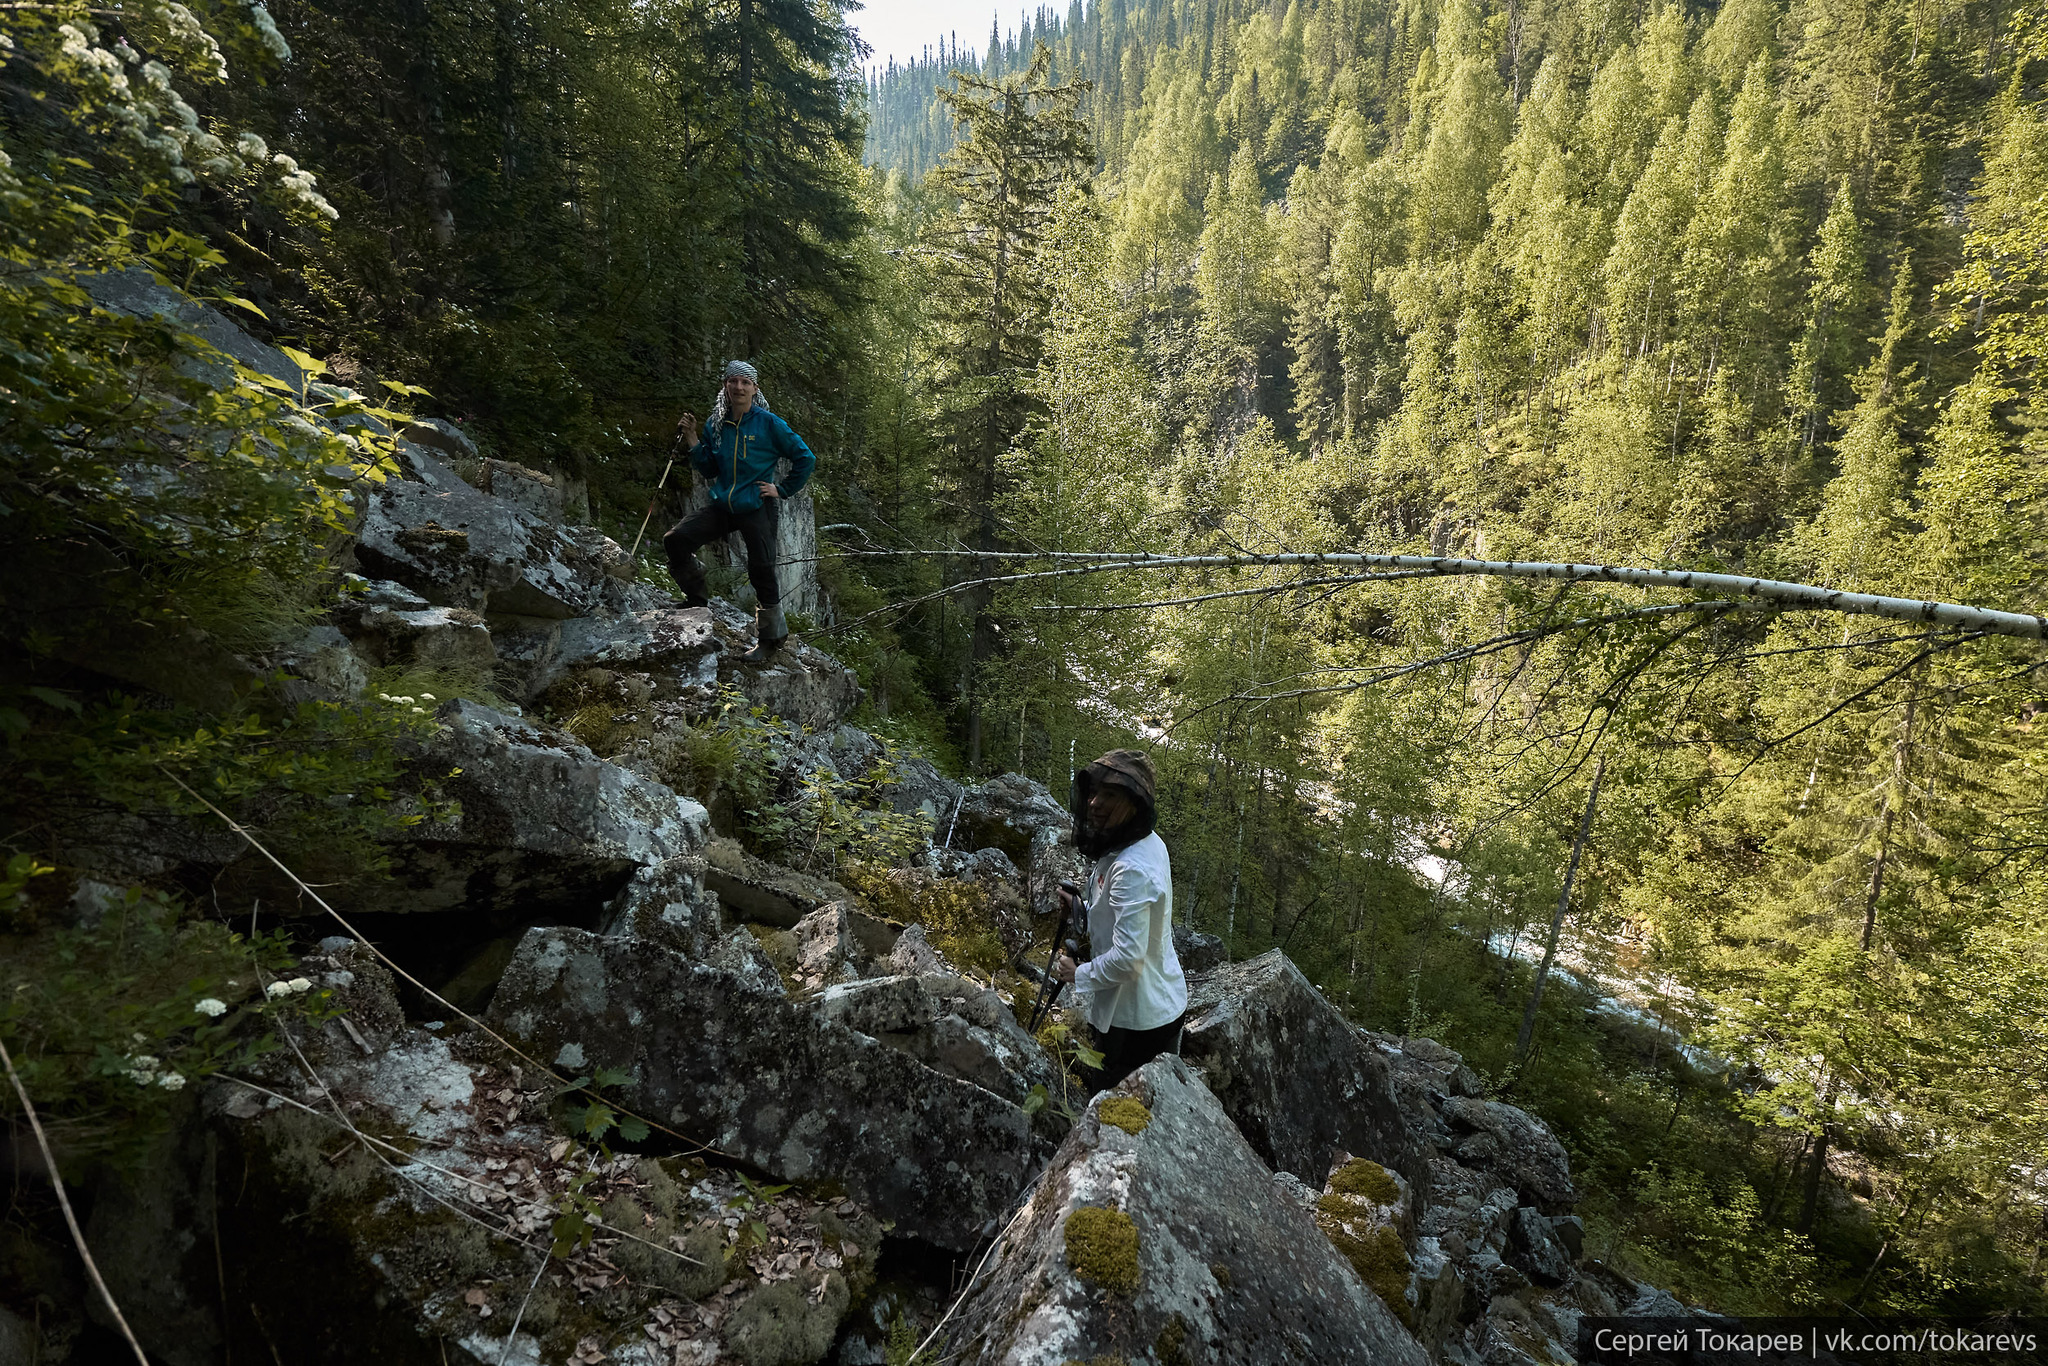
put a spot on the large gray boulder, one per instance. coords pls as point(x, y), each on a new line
point(545, 828)
point(770, 1082)
point(387, 623)
point(754, 889)
point(457, 546)
point(1293, 1072)
point(1007, 812)
point(1158, 1235)
point(430, 1258)
point(947, 1023)
point(676, 647)
point(1515, 1146)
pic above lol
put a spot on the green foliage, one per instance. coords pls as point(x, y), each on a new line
point(1708, 1242)
point(111, 1021)
point(736, 758)
point(592, 1117)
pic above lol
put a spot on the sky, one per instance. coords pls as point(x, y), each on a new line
point(903, 28)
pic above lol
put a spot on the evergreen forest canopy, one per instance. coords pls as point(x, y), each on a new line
point(1754, 289)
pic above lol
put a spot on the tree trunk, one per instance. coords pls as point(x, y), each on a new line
point(1564, 898)
point(1809, 1204)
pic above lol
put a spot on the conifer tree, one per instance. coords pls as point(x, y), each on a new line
point(1022, 143)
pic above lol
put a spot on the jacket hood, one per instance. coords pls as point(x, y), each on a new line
point(1130, 770)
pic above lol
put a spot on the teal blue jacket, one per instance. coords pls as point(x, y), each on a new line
point(741, 454)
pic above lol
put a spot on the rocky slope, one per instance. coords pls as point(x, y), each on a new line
point(636, 1095)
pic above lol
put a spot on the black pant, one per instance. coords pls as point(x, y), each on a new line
point(714, 523)
point(1124, 1051)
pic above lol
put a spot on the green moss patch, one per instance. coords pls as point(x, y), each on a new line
point(1171, 1348)
point(1369, 1179)
point(1102, 1246)
point(1125, 1112)
point(1381, 1261)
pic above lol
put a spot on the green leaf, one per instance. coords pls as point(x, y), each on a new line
point(633, 1130)
point(304, 361)
point(571, 1232)
point(239, 302)
point(1036, 1101)
point(51, 697)
point(613, 1076)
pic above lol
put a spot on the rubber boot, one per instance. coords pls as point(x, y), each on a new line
point(770, 630)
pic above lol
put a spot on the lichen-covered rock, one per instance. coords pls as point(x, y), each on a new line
point(430, 1255)
point(1166, 1241)
point(1053, 859)
point(1293, 1073)
point(1005, 813)
point(770, 1082)
point(1537, 1251)
point(1518, 1147)
point(767, 893)
point(668, 904)
point(802, 684)
point(527, 489)
point(827, 950)
point(545, 826)
point(457, 546)
point(389, 624)
point(947, 1023)
point(921, 789)
point(1198, 952)
point(676, 647)
point(322, 656)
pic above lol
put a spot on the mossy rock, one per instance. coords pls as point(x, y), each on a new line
point(1126, 1112)
point(778, 1325)
point(1102, 1246)
point(1171, 1347)
point(1360, 1176)
point(1381, 1261)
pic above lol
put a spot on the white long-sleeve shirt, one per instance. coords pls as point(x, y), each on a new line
point(1134, 981)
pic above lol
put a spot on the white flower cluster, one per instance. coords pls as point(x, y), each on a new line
point(300, 183)
point(407, 701)
point(195, 44)
point(145, 1070)
point(151, 113)
point(212, 1008)
point(266, 32)
point(298, 986)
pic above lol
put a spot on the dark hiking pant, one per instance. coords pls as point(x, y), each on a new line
point(1124, 1051)
point(710, 523)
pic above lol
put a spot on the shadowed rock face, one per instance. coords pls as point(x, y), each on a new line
point(544, 823)
point(1517, 1147)
point(1293, 1073)
point(770, 1081)
point(459, 547)
point(1225, 1268)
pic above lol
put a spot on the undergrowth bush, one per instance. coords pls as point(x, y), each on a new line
point(110, 1018)
point(738, 761)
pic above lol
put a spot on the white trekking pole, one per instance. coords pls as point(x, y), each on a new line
point(634, 557)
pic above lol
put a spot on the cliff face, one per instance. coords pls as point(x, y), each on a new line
point(594, 1083)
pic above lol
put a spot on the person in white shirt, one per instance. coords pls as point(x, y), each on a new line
point(1132, 990)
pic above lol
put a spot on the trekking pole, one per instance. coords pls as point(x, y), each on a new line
point(633, 556)
point(1045, 1003)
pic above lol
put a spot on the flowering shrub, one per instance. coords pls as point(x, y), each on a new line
point(109, 1020)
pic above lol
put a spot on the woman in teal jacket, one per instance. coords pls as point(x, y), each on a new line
point(738, 453)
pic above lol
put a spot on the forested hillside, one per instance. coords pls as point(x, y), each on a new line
point(1753, 288)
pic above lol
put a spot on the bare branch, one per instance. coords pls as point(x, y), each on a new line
point(2020, 625)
